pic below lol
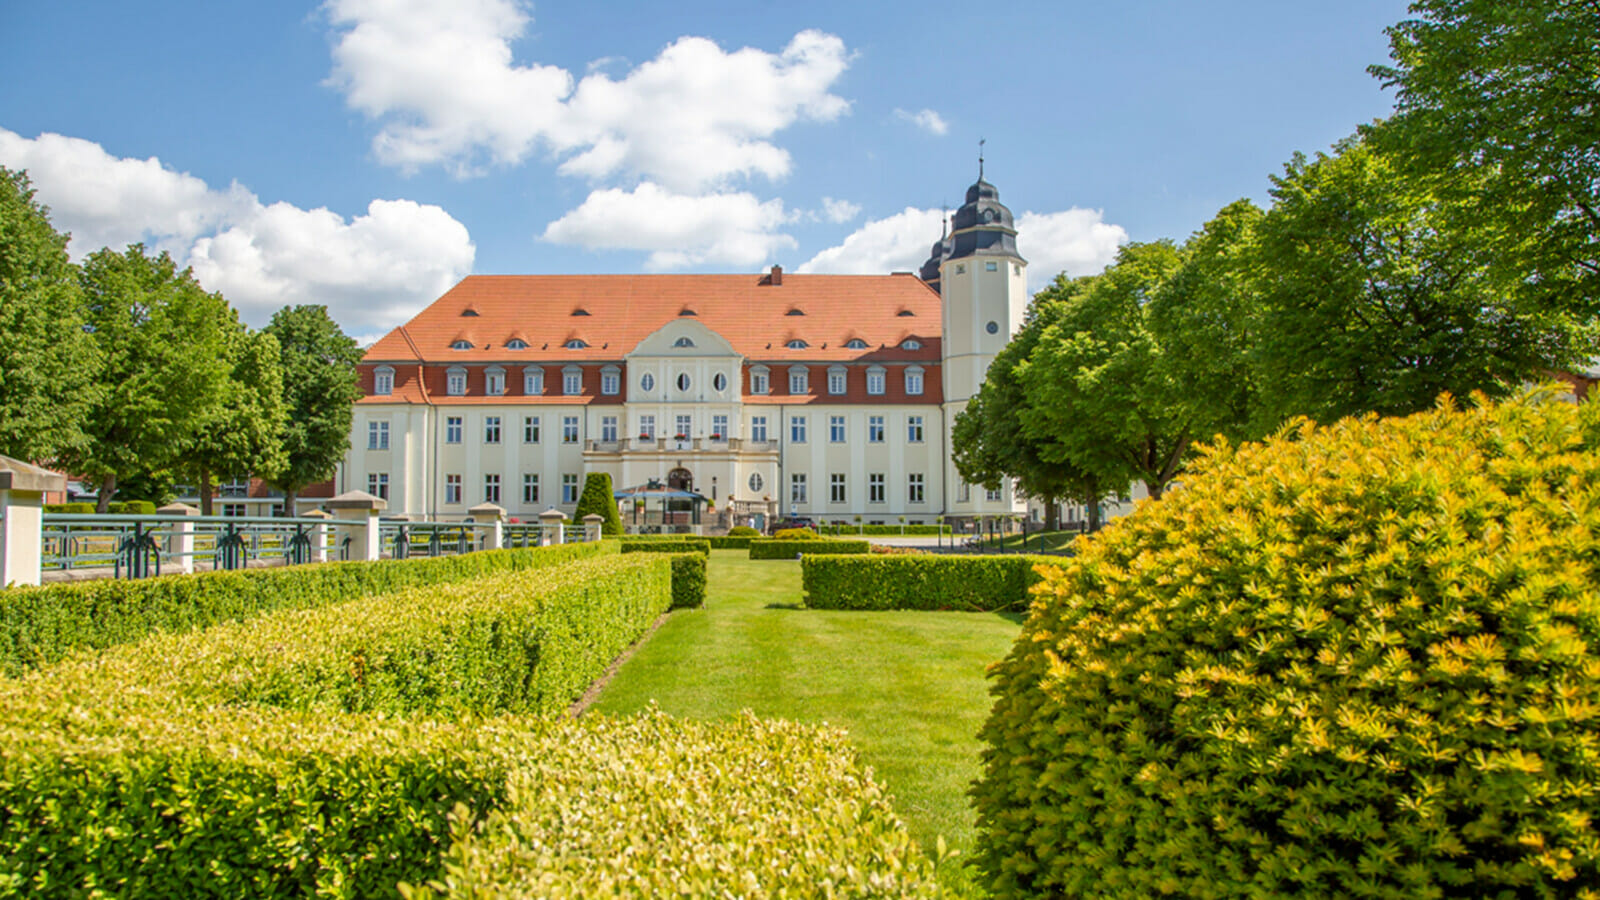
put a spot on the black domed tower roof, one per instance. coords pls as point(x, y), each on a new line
point(929, 273)
point(983, 226)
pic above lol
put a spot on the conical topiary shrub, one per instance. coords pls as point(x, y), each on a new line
point(597, 499)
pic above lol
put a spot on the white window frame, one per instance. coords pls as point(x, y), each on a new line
point(876, 491)
point(682, 423)
point(758, 429)
point(799, 380)
point(760, 380)
point(533, 381)
point(378, 435)
point(569, 488)
point(569, 429)
point(797, 429)
point(608, 429)
point(876, 380)
point(531, 430)
point(914, 380)
point(797, 488)
point(647, 426)
point(491, 429)
point(455, 381)
point(530, 488)
point(453, 427)
point(491, 488)
point(916, 488)
point(838, 380)
point(914, 430)
point(610, 380)
point(836, 488)
point(572, 380)
point(383, 381)
point(719, 427)
point(452, 490)
point(378, 484)
point(494, 381)
point(836, 430)
point(875, 429)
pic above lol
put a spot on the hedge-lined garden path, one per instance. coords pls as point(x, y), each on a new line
point(908, 686)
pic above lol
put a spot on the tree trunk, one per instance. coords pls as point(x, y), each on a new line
point(1154, 488)
point(205, 492)
point(1093, 506)
point(1052, 514)
point(108, 486)
point(289, 497)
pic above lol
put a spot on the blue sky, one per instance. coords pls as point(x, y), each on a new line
point(366, 154)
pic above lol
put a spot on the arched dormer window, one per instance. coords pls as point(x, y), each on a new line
point(494, 381)
point(683, 342)
point(610, 380)
point(760, 380)
point(913, 380)
point(795, 312)
point(799, 380)
point(855, 344)
point(575, 344)
point(910, 344)
point(797, 344)
point(572, 380)
point(461, 344)
point(382, 381)
point(836, 379)
point(533, 381)
point(455, 381)
point(876, 377)
point(516, 344)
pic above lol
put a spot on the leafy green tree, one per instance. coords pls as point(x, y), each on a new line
point(597, 499)
point(162, 369)
point(320, 386)
point(47, 362)
point(989, 441)
point(1376, 294)
point(1096, 393)
point(244, 435)
point(1502, 101)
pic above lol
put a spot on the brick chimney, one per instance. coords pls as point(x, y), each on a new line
point(776, 278)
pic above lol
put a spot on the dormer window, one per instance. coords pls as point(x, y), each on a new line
point(683, 342)
point(571, 380)
point(795, 312)
point(533, 381)
point(516, 344)
point(383, 381)
point(610, 380)
point(905, 312)
point(914, 380)
point(580, 311)
point(455, 382)
point(758, 380)
point(494, 380)
point(875, 380)
point(469, 312)
point(855, 344)
point(799, 380)
point(461, 345)
point(686, 311)
point(910, 344)
point(575, 344)
point(836, 379)
point(797, 344)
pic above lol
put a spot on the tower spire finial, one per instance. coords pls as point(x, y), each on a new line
point(981, 142)
point(944, 220)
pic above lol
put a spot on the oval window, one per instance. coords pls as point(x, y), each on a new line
point(648, 382)
point(719, 381)
point(683, 381)
point(756, 483)
point(992, 328)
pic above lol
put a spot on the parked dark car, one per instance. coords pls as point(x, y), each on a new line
point(795, 522)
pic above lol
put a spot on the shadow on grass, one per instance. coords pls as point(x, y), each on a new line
point(785, 606)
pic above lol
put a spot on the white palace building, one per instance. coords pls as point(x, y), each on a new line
point(772, 395)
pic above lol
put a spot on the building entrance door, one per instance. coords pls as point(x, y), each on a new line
point(680, 480)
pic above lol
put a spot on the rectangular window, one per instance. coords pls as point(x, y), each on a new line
point(495, 383)
point(572, 382)
point(530, 429)
point(610, 382)
point(682, 426)
point(378, 484)
point(836, 429)
point(758, 381)
point(991, 267)
point(875, 487)
point(758, 429)
point(533, 382)
point(491, 488)
point(914, 381)
point(719, 428)
point(914, 429)
point(874, 381)
point(530, 489)
point(647, 428)
point(965, 492)
point(456, 383)
point(452, 430)
point(452, 489)
point(797, 488)
point(491, 429)
point(875, 429)
point(836, 488)
point(569, 429)
point(798, 382)
point(797, 430)
point(383, 383)
point(608, 429)
point(993, 496)
point(377, 435)
point(234, 509)
point(914, 487)
point(569, 489)
point(835, 381)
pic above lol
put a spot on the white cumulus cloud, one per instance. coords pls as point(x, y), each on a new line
point(441, 79)
point(839, 211)
point(372, 271)
point(926, 119)
point(679, 230)
point(1075, 241)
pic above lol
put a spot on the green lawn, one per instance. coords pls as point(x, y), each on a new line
point(1036, 541)
point(908, 686)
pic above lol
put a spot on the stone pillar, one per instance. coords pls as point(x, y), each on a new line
point(319, 536)
point(494, 517)
point(592, 523)
point(550, 522)
point(357, 512)
point(180, 546)
point(22, 488)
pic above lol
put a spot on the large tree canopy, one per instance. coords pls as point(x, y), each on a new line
point(163, 367)
point(319, 387)
point(47, 362)
point(244, 434)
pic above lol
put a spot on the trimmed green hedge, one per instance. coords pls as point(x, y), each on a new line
point(689, 579)
point(77, 509)
point(773, 548)
point(717, 542)
point(697, 545)
point(131, 508)
point(927, 582)
point(41, 625)
point(847, 530)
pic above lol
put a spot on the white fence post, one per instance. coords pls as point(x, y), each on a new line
point(591, 526)
point(181, 543)
point(319, 535)
point(550, 522)
point(493, 516)
point(22, 488)
point(357, 512)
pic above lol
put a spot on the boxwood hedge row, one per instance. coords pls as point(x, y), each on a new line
point(717, 541)
point(688, 579)
point(698, 545)
point(774, 548)
point(41, 625)
point(978, 583)
point(847, 530)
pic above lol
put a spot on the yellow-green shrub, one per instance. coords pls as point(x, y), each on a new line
point(796, 534)
point(693, 545)
point(40, 625)
point(974, 583)
point(1354, 661)
point(781, 548)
